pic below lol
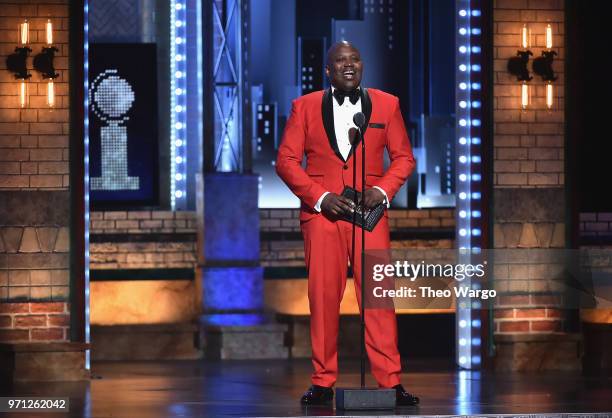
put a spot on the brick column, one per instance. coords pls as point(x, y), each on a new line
point(34, 201)
point(531, 331)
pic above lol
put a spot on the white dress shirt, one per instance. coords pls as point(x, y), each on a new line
point(343, 122)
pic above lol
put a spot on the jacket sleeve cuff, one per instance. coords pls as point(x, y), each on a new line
point(386, 201)
point(317, 206)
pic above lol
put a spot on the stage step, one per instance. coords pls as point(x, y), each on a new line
point(145, 342)
point(236, 341)
point(42, 362)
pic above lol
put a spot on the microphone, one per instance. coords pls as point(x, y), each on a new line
point(359, 120)
point(352, 133)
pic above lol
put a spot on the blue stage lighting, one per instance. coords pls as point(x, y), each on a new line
point(178, 103)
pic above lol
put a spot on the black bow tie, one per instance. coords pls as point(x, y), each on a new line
point(353, 96)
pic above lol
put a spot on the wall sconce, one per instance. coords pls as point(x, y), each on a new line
point(542, 66)
point(43, 63)
point(16, 62)
point(517, 66)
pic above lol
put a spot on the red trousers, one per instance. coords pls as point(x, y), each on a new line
point(327, 247)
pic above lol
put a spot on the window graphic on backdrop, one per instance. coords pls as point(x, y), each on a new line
point(123, 133)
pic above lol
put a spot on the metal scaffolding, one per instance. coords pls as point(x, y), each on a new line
point(227, 122)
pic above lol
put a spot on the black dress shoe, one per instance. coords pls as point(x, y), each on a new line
point(403, 398)
point(317, 395)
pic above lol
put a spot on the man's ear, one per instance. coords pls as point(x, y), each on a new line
point(327, 70)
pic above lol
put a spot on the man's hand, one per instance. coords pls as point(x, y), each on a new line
point(334, 205)
point(373, 197)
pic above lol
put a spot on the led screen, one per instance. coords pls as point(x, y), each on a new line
point(123, 152)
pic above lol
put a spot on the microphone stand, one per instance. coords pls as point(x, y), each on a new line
point(362, 398)
point(363, 293)
point(359, 137)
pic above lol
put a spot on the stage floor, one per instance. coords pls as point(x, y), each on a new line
point(273, 388)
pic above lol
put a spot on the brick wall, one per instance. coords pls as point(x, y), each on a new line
point(529, 145)
point(34, 198)
point(528, 167)
point(287, 220)
point(34, 322)
point(177, 250)
point(281, 251)
point(527, 314)
point(596, 225)
point(34, 140)
point(289, 250)
point(142, 222)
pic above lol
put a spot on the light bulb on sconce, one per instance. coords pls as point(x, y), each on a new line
point(524, 95)
point(24, 33)
point(549, 95)
point(525, 37)
point(23, 93)
point(549, 40)
point(50, 93)
point(49, 32)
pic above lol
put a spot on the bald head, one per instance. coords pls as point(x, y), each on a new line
point(344, 66)
point(336, 46)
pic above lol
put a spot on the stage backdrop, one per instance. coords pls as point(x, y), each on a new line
point(123, 151)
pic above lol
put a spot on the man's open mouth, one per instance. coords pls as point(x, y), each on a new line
point(348, 74)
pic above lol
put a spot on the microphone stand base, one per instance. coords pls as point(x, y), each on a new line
point(365, 399)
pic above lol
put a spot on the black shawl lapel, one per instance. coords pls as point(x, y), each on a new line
point(327, 110)
point(366, 107)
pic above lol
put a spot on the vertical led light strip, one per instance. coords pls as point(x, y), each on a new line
point(86, 170)
point(178, 104)
point(200, 77)
point(468, 107)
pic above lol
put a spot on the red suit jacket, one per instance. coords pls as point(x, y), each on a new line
point(310, 131)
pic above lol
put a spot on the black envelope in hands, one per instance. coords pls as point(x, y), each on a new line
point(365, 218)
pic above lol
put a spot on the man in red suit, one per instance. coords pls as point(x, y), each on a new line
point(319, 128)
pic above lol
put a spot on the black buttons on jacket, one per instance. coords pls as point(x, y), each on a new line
point(345, 166)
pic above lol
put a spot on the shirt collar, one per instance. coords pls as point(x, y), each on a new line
point(334, 89)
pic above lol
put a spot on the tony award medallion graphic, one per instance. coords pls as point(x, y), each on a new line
point(111, 98)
